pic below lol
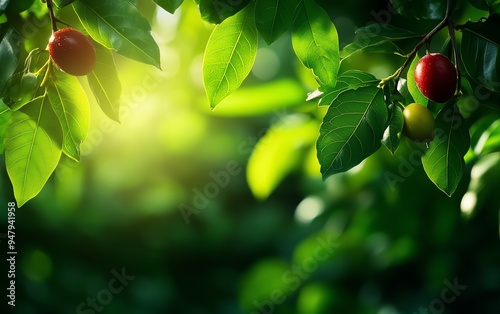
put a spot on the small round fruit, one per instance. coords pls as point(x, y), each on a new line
point(418, 123)
point(436, 77)
point(72, 51)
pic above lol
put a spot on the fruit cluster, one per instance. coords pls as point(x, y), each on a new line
point(436, 78)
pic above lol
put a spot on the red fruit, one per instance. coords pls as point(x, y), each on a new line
point(72, 51)
point(436, 77)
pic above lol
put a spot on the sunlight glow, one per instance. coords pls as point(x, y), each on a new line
point(267, 64)
point(309, 209)
point(468, 203)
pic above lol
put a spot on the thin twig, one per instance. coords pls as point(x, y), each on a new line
point(456, 53)
point(53, 19)
point(419, 45)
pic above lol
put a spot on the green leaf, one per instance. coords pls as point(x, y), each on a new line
point(348, 80)
point(169, 5)
point(216, 11)
point(71, 106)
point(444, 161)
point(9, 57)
point(5, 114)
point(316, 43)
point(230, 55)
point(279, 152)
point(391, 137)
point(119, 25)
point(274, 17)
point(32, 148)
point(352, 129)
point(484, 30)
point(480, 50)
point(417, 95)
point(105, 83)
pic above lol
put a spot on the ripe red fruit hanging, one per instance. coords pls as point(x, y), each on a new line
point(436, 77)
point(72, 51)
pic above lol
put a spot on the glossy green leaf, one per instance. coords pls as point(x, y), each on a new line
point(417, 95)
point(71, 106)
point(348, 80)
point(32, 148)
point(274, 17)
point(9, 57)
point(444, 161)
point(352, 129)
point(216, 11)
point(261, 99)
point(169, 5)
point(278, 152)
point(105, 83)
point(391, 137)
point(119, 25)
point(316, 43)
point(5, 114)
point(480, 51)
point(230, 55)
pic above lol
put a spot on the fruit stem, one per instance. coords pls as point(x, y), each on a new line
point(456, 53)
point(42, 68)
point(425, 39)
point(47, 65)
point(53, 19)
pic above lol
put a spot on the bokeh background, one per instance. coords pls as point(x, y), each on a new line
point(356, 243)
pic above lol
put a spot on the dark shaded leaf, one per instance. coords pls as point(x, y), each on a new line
point(480, 51)
point(216, 11)
point(169, 5)
point(274, 17)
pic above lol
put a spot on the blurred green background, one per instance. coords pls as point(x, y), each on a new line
point(164, 197)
